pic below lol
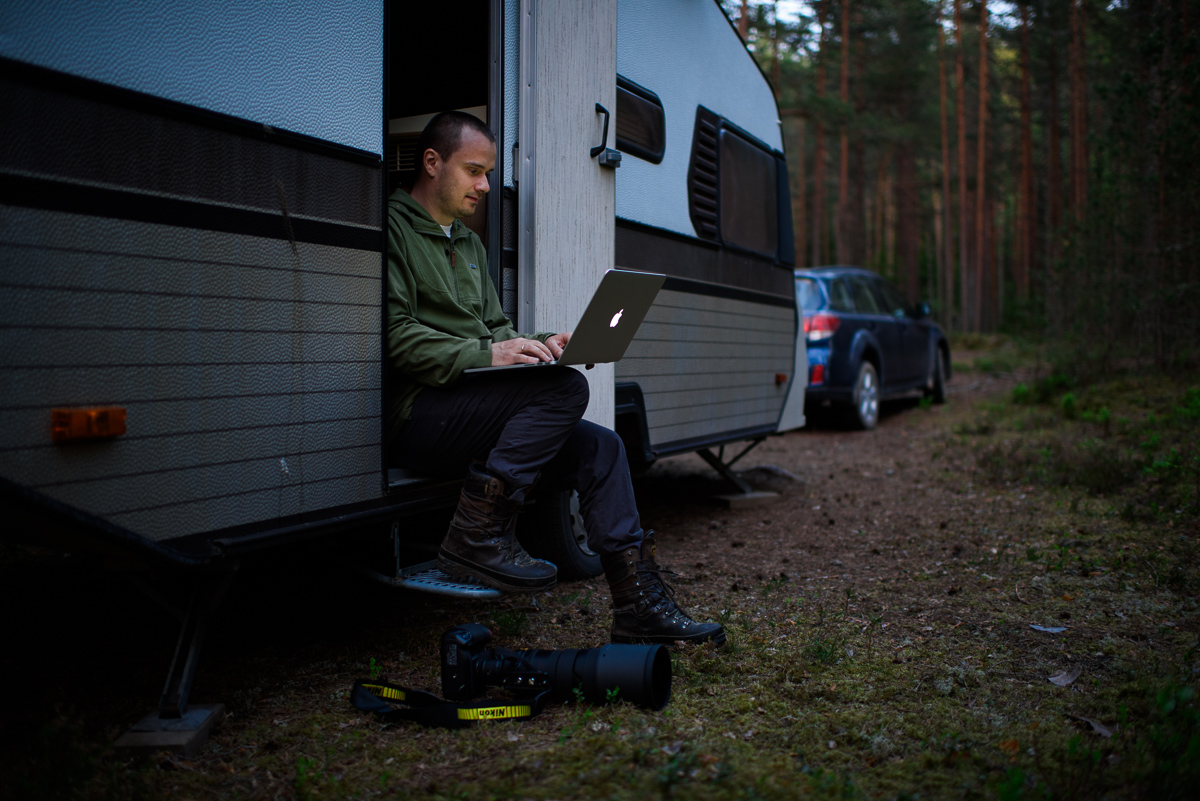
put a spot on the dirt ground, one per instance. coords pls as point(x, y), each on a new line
point(881, 645)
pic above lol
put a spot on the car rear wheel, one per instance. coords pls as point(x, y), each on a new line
point(551, 528)
point(864, 404)
point(937, 391)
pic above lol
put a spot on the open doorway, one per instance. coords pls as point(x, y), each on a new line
point(441, 57)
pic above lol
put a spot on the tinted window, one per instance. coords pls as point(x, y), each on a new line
point(749, 195)
point(893, 301)
point(839, 296)
point(641, 123)
point(864, 299)
point(808, 294)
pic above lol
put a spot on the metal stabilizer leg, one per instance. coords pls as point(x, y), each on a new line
point(745, 495)
point(176, 726)
point(207, 595)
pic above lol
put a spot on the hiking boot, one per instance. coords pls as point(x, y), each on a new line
point(482, 541)
point(644, 609)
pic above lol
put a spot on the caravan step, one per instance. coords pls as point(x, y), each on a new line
point(425, 577)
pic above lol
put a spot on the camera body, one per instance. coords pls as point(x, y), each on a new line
point(461, 647)
point(640, 674)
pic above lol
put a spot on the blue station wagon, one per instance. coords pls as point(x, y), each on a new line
point(866, 344)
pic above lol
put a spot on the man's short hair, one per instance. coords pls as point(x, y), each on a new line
point(444, 133)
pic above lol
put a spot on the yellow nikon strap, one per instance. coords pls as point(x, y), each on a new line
point(378, 697)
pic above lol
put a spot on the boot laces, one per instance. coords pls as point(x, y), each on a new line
point(656, 583)
point(512, 547)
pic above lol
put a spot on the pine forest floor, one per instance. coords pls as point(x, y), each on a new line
point(883, 619)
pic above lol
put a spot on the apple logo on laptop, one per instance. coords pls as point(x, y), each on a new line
point(616, 319)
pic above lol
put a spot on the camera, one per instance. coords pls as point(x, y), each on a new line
point(640, 674)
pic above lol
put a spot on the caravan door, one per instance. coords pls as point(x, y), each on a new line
point(568, 65)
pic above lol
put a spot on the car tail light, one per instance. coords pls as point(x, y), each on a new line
point(818, 375)
point(821, 326)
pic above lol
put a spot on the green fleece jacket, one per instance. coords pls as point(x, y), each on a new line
point(442, 310)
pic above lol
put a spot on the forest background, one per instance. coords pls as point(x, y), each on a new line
point(1026, 167)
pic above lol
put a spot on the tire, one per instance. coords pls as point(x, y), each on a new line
point(551, 528)
point(864, 403)
point(937, 390)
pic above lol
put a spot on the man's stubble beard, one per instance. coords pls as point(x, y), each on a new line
point(454, 202)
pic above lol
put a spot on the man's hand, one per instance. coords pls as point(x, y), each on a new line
point(521, 351)
point(557, 342)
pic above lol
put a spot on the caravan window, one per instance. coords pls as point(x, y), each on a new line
point(641, 122)
point(749, 195)
point(737, 190)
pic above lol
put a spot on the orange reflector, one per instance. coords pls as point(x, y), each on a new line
point(100, 421)
point(780, 378)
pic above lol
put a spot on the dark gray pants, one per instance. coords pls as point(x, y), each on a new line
point(526, 426)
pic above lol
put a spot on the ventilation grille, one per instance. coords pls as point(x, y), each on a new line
point(402, 152)
point(703, 176)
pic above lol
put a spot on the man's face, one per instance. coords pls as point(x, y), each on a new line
point(460, 182)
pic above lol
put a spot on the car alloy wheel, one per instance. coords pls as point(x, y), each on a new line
point(866, 397)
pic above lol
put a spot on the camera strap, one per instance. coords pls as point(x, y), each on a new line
point(378, 697)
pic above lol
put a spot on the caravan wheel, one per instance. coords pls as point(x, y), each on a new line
point(551, 528)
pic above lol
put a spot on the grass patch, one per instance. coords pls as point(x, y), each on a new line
point(1135, 444)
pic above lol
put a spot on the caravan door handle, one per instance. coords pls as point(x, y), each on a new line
point(598, 149)
point(608, 156)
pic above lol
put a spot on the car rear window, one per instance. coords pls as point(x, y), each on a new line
point(808, 294)
point(839, 296)
point(864, 299)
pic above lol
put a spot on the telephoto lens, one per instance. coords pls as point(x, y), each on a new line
point(639, 674)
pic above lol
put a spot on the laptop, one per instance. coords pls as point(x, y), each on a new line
point(609, 323)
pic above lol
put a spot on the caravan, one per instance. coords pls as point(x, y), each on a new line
point(192, 249)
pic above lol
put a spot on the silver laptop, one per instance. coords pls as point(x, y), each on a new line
point(609, 323)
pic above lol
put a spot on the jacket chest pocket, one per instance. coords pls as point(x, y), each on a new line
point(470, 289)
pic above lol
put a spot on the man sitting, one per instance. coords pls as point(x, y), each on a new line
point(509, 430)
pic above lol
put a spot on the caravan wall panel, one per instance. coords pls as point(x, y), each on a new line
point(706, 365)
point(309, 66)
point(221, 284)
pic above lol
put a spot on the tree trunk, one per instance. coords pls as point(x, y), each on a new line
point(1025, 197)
point(776, 77)
point(946, 249)
point(856, 208)
point(879, 236)
point(981, 166)
point(1081, 67)
point(1054, 199)
point(937, 201)
point(801, 213)
point(889, 225)
point(1078, 132)
point(908, 214)
point(843, 202)
point(966, 322)
point(744, 21)
point(994, 260)
point(858, 157)
point(819, 157)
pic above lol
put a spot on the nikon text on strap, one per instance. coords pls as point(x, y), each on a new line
point(427, 709)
